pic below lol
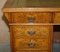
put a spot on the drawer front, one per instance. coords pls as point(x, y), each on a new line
point(31, 44)
point(32, 17)
point(57, 18)
point(31, 51)
point(31, 31)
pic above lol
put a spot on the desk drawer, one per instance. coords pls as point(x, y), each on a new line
point(32, 31)
point(57, 18)
point(31, 17)
point(31, 51)
point(31, 44)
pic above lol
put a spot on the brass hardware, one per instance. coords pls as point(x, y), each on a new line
point(31, 32)
point(31, 44)
point(31, 19)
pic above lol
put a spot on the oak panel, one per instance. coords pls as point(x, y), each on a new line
point(32, 17)
point(32, 31)
point(57, 18)
point(31, 51)
point(31, 44)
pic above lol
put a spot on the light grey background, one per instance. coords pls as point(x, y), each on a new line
point(4, 32)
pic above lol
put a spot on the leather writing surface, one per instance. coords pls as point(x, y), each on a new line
point(32, 3)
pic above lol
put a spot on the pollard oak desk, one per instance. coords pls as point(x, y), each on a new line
point(31, 24)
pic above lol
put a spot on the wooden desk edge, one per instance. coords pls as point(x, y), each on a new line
point(31, 9)
point(34, 23)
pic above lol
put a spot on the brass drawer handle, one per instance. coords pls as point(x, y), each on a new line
point(31, 32)
point(31, 19)
point(31, 44)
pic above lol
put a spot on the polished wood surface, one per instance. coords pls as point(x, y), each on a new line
point(31, 9)
point(35, 17)
point(57, 18)
point(31, 44)
point(31, 51)
point(40, 37)
point(32, 31)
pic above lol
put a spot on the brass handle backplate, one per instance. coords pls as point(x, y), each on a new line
point(31, 19)
point(31, 32)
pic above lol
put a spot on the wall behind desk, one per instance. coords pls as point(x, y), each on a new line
point(4, 32)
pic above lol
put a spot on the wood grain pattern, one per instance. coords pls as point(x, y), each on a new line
point(37, 44)
point(57, 18)
point(34, 24)
point(31, 51)
point(34, 17)
point(21, 41)
point(38, 31)
point(11, 40)
point(31, 9)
